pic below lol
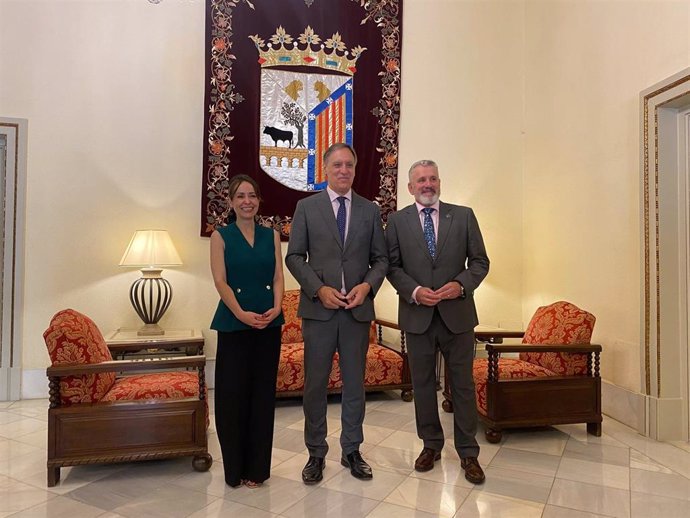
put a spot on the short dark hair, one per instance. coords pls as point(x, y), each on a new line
point(335, 147)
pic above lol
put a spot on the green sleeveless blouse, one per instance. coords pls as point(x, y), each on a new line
point(249, 272)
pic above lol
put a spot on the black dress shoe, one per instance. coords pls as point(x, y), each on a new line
point(358, 467)
point(313, 470)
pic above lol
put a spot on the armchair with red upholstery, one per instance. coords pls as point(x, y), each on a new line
point(555, 379)
point(96, 416)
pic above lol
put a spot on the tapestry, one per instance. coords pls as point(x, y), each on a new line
point(285, 80)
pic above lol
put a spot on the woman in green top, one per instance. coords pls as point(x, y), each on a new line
point(247, 270)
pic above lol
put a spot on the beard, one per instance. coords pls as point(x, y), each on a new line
point(428, 199)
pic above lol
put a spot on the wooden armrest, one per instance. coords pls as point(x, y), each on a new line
point(543, 348)
point(126, 366)
point(387, 323)
point(496, 337)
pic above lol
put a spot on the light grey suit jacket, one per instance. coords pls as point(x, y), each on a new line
point(316, 257)
point(460, 256)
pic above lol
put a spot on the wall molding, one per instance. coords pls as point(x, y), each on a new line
point(664, 230)
point(13, 202)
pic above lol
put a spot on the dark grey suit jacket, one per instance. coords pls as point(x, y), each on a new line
point(460, 256)
point(316, 257)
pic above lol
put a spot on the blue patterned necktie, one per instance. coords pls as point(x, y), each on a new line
point(429, 232)
point(341, 219)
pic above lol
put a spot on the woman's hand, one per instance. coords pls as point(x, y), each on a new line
point(253, 320)
point(268, 317)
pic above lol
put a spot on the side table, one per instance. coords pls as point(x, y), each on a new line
point(125, 342)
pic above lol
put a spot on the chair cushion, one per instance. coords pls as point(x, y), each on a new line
point(508, 368)
point(383, 367)
point(73, 338)
point(559, 323)
point(164, 385)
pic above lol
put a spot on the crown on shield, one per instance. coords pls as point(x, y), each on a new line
point(283, 49)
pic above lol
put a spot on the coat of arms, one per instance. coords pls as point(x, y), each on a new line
point(302, 114)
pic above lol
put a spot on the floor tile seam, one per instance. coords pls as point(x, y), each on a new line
point(281, 513)
point(599, 486)
point(326, 489)
point(661, 463)
point(598, 463)
point(602, 485)
point(555, 476)
point(580, 511)
point(42, 488)
point(641, 493)
point(33, 506)
point(364, 482)
point(673, 472)
point(216, 498)
point(576, 456)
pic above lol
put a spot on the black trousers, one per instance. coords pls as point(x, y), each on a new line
point(245, 388)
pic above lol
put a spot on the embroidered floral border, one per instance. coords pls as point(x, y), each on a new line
point(222, 98)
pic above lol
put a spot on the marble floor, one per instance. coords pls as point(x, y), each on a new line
point(554, 472)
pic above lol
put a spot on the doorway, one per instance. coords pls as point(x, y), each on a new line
point(13, 140)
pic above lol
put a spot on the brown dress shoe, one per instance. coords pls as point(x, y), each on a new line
point(425, 461)
point(473, 471)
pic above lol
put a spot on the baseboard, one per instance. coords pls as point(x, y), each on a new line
point(35, 382)
point(624, 405)
point(210, 372)
point(10, 383)
point(666, 419)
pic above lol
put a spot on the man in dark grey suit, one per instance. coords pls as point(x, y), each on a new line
point(437, 260)
point(337, 253)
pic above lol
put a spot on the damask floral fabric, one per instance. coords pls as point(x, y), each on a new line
point(292, 328)
point(559, 323)
point(72, 339)
point(166, 385)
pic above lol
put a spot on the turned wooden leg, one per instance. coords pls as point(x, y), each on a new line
point(202, 462)
point(594, 429)
point(493, 436)
point(53, 476)
point(406, 395)
point(447, 405)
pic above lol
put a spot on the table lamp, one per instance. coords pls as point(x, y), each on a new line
point(151, 294)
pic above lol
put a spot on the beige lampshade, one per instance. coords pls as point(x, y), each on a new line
point(151, 249)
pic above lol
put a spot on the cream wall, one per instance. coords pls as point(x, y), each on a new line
point(585, 65)
point(113, 91)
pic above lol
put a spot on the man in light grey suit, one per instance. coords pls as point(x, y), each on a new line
point(337, 253)
point(437, 260)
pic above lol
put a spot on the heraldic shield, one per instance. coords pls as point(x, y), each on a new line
point(302, 114)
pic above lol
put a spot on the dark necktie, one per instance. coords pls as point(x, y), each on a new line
point(429, 235)
point(341, 218)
